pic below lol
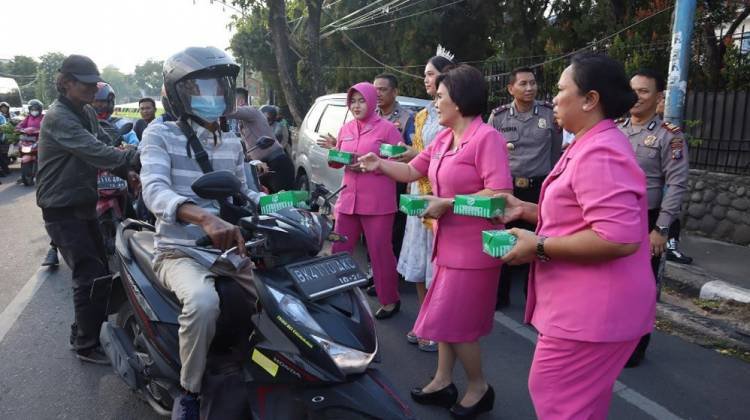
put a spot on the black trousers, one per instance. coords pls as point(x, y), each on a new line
point(507, 272)
point(4, 161)
point(80, 245)
point(640, 349)
point(282, 176)
point(399, 222)
point(674, 229)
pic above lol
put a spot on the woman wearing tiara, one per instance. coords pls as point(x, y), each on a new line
point(415, 262)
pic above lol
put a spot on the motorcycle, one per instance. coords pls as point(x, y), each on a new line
point(113, 201)
point(306, 353)
point(27, 144)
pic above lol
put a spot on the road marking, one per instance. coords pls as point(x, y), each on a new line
point(14, 309)
point(650, 407)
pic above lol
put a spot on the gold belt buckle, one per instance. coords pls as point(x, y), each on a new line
point(521, 182)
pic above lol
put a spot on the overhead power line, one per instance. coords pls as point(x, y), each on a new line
point(402, 17)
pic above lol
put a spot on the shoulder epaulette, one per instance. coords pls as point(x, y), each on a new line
point(620, 120)
point(549, 105)
point(501, 108)
point(671, 127)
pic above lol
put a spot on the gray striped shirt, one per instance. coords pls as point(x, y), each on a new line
point(167, 173)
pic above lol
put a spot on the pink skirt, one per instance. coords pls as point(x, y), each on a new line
point(573, 379)
point(459, 306)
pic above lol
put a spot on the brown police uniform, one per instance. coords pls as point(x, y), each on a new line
point(534, 144)
point(662, 154)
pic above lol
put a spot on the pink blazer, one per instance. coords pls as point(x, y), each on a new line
point(597, 184)
point(480, 162)
point(370, 193)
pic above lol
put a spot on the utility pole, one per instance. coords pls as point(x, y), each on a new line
point(679, 59)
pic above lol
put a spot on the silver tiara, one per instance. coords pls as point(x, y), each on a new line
point(442, 52)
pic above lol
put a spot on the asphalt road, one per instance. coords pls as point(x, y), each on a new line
point(40, 378)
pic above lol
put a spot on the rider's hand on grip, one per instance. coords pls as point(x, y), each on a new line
point(224, 235)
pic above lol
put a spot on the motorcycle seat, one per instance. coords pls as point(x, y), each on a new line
point(142, 246)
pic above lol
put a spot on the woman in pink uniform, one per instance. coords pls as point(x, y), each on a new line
point(368, 202)
point(469, 157)
point(591, 294)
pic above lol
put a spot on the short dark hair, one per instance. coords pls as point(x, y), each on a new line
point(142, 100)
point(440, 63)
point(241, 91)
point(467, 88)
point(392, 80)
point(661, 84)
point(515, 71)
point(603, 74)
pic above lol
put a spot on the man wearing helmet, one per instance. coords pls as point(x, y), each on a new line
point(104, 104)
point(200, 85)
point(279, 130)
point(70, 151)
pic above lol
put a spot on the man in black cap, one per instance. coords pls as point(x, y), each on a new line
point(71, 148)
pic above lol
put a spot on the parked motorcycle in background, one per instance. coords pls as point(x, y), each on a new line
point(27, 145)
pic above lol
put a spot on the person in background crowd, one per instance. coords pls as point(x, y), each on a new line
point(104, 105)
point(415, 261)
point(591, 295)
point(469, 157)
point(280, 131)
point(662, 154)
point(390, 110)
point(368, 203)
point(147, 108)
point(253, 126)
point(4, 147)
point(71, 148)
point(534, 145)
point(241, 98)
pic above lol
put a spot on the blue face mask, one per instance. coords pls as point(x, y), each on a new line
point(209, 108)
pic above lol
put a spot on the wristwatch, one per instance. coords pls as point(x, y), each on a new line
point(663, 230)
point(540, 254)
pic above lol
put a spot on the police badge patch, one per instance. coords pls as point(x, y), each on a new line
point(542, 123)
point(650, 141)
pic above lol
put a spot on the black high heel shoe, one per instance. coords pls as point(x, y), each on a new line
point(383, 313)
point(445, 397)
point(485, 404)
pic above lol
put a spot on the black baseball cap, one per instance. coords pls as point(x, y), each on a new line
point(82, 68)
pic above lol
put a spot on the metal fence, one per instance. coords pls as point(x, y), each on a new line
point(717, 130)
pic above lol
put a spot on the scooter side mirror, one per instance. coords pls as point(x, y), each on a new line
point(217, 185)
point(125, 129)
point(265, 142)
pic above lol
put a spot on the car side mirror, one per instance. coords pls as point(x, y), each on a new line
point(217, 185)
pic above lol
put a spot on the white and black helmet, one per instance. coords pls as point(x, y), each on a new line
point(200, 83)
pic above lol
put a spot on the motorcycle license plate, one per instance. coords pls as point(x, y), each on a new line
point(321, 277)
point(26, 149)
point(110, 182)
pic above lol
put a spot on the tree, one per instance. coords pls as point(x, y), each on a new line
point(281, 47)
point(723, 16)
point(148, 78)
point(125, 91)
point(46, 75)
point(23, 69)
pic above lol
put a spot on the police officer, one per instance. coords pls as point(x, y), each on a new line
point(662, 154)
point(534, 144)
point(389, 109)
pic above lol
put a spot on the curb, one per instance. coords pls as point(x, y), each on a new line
point(697, 282)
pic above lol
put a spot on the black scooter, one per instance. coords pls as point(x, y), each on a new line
point(313, 338)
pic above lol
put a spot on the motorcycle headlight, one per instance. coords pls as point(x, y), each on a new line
point(295, 310)
point(347, 359)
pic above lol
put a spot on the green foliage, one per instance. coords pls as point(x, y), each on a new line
point(8, 133)
point(148, 78)
point(125, 89)
point(45, 89)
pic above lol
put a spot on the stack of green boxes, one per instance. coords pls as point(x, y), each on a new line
point(338, 156)
point(497, 243)
point(275, 202)
point(479, 206)
point(390, 150)
point(412, 205)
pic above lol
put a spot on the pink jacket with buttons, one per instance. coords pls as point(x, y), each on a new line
point(597, 184)
point(370, 193)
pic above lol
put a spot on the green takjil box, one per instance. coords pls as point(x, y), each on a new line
point(412, 205)
point(390, 150)
point(341, 157)
point(275, 202)
point(497, 243)
point(479, 206)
